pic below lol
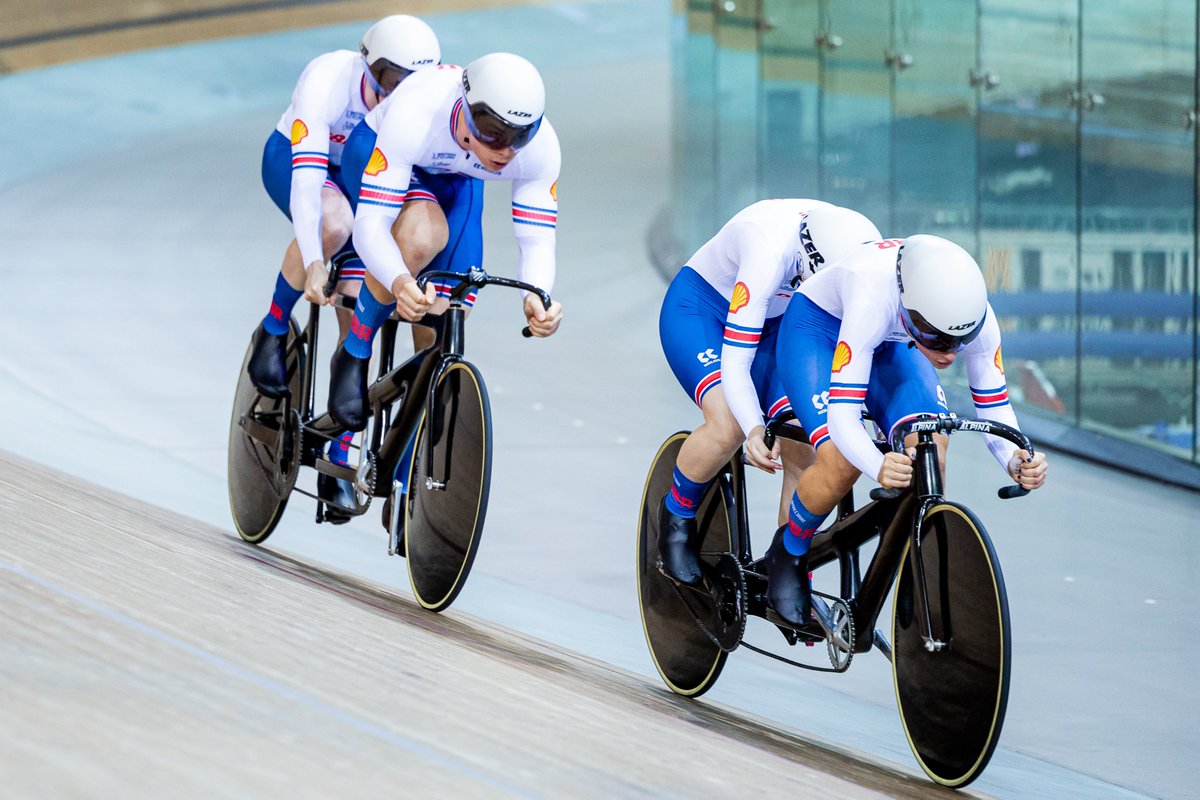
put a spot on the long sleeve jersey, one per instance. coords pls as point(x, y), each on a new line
point(754, 262)
point(863, 294)
point(416, 128)
point(328, 101)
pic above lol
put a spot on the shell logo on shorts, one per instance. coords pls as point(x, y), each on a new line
point(377, 164)
point(999, 361)
point(841, 356)
point(554, 191)
point(741, 298)
point(299, 131)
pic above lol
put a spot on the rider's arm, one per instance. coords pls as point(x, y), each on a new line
point(384, 184)
point(760, 271)
point(316, 90)
point(989, 391)
point(865, 323)
point(535, 208)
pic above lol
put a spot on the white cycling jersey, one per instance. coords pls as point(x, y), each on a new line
point(862, 292)
point(416, 128)
point(754, 262)
point(328, 101)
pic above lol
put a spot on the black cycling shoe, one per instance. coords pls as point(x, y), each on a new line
point(336, 491)
point(788, 588)
point(348, 389)
point(268, 363)
point(680, 557)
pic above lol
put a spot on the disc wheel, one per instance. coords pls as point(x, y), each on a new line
point(952, 691)
point(447, 496)
point(688, 660)
point(261, 475)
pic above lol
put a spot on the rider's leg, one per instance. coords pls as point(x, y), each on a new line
point(421, 233)
point(796, 458)
point(817, 491)
point(703, 453)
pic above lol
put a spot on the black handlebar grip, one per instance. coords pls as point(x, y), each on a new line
point(1009, 492)
point(527, 332)
point(880, 493)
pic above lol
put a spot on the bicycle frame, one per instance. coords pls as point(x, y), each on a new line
point(893, 516)
point(412, 382)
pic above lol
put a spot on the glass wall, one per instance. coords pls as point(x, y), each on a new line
point(1055, 139)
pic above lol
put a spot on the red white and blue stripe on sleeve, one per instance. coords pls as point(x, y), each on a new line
point(375, 195)
point(532, 215)
point(310, 159)
point(847, 393)
point(990, 398)
point(740, 336)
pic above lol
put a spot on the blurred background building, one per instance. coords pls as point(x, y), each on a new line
point(1055, 139)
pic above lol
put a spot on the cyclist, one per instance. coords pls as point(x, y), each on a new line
point(415, 167)
point(872, 332)
point(718, 325)
point(301, 170)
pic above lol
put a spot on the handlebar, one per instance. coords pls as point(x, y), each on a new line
point(948, 424)
point(476, 279)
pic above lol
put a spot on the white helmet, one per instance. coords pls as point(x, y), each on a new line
point(401, 43)
point(505, 100)
point(943, 299)
point(827, 233)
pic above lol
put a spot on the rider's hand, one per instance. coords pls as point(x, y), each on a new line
point(411, 302)
point(542, 321)
point(1029, 473)
point(314, 284)
point(759, 455)
point(896, 472)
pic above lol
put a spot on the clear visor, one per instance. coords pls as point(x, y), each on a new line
point(385, 76)
point(931, 338)
point(495, 132)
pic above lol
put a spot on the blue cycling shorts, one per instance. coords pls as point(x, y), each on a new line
point(903, 383)
point(691, 327)
point(460, 198)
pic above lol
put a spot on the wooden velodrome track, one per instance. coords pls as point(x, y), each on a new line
point(248, 674)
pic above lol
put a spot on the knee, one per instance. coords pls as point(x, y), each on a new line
point(335, 233)
point(420, 245)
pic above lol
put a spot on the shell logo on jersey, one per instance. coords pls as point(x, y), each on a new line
point(841, 356)
point(554, 191)
point(299, 131)
point(999, 361)
point(741, 298)
point(377, 163)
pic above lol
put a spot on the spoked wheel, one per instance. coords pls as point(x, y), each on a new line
point(687, 658)
point(261, 473)
point(952, 687)
point(447, 497)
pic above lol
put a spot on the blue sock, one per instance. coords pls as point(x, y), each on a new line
point(802, 524)
point(369, 313)
point(282, 303)
point(685, 495)
point(404, 465)
point(339, 449)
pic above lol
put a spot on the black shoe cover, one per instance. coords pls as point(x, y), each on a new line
point(268, 363)
point(788, 589)
point(348, 390)
point(336, 491)
point(680, 558)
